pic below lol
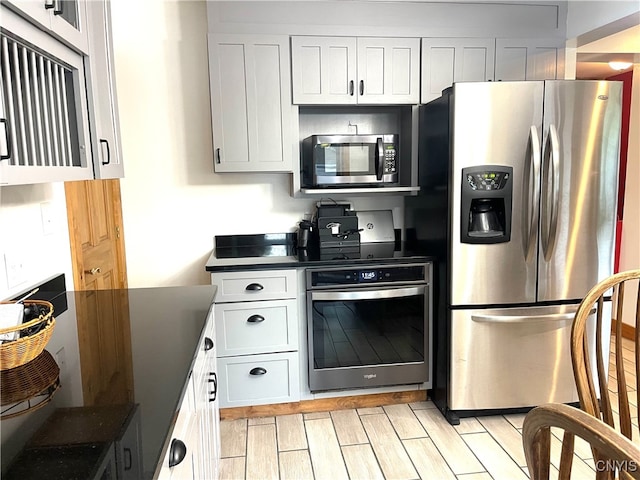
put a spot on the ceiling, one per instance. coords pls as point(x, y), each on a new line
point(593, 58)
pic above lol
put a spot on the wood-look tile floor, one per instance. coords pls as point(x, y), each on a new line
point(407, 441)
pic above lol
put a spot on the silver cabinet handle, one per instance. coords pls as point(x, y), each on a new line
point(93, 271)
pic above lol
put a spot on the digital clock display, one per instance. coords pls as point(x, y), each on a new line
point(368, 275)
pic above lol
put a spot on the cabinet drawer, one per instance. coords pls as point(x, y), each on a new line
point(259, 285)
point(275, 379)
point(256, 327)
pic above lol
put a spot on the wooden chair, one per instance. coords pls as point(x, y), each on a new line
point(597, 399)
point(615, 451)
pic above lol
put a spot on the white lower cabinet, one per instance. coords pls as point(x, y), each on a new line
point(259, 379)
point(194, 447)
point(257, 321)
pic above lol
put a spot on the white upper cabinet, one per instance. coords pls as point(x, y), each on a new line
point(64, 19)
point(527, 59)
point(250, 102)
point(324, 70)
point(105, 131)
point(449, 60)
point(349, 70)
point(388, 70)
point(45, 120)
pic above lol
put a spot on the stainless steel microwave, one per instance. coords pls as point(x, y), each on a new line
point(349, 160)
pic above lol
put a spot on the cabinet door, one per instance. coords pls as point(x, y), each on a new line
point(45, 107)
point(324, 70)
point(105, 145)
point(64, 19)
point(449, 60)
point(526, 59)
point(388, 70)
point(129, 449)
point(250, 103)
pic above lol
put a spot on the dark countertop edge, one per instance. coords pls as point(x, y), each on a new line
point(264, 264)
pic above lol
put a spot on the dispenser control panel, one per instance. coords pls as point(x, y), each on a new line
point(487, 180)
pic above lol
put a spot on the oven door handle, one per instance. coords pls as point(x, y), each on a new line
point(369, 294)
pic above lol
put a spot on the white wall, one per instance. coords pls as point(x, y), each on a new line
point(173, 203)
point(630, 247)
point(583, 16)
point(40, 248)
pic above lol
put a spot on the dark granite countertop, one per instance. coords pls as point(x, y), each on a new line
point(269, 252)
point(114, 348)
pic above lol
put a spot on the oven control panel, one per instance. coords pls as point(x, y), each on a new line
point(366, 275)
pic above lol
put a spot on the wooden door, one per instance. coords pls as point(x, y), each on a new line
point(99, 274)
point(95, 232)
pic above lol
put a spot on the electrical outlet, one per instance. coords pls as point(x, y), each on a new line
point(47, 218)
point(61, 359)
point(15, 269)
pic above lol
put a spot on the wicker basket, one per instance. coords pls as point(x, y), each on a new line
point(33, 337)
point(29, 387)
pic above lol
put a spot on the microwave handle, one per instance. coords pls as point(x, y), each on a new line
point(378, 157)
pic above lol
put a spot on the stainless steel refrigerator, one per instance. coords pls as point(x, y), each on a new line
point(518, 200)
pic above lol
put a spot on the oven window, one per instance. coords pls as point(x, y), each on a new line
point(348, 333)
point(344, 158)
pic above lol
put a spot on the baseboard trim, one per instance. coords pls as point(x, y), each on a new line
point(323, 404)
point(628, 331)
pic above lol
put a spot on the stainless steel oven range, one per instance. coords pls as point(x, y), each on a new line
point(369, 325)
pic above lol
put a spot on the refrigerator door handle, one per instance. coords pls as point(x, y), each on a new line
point(550, 317)
point(551, 180)
point(531, 202)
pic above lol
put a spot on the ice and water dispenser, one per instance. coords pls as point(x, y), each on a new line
point(485, 209)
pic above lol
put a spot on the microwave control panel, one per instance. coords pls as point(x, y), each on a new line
point(390, 159)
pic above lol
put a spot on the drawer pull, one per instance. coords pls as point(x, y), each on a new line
point(258, 371)
point(214, 392)
point(208, 344)
point(255, 318)
point(254, 287)
point(177, 452)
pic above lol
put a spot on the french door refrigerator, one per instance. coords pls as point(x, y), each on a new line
point(518, 200)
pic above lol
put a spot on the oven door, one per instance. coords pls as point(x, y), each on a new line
point(368, 337)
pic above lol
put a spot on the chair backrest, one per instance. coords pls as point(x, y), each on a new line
point(613, 452)
point(597, 397)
